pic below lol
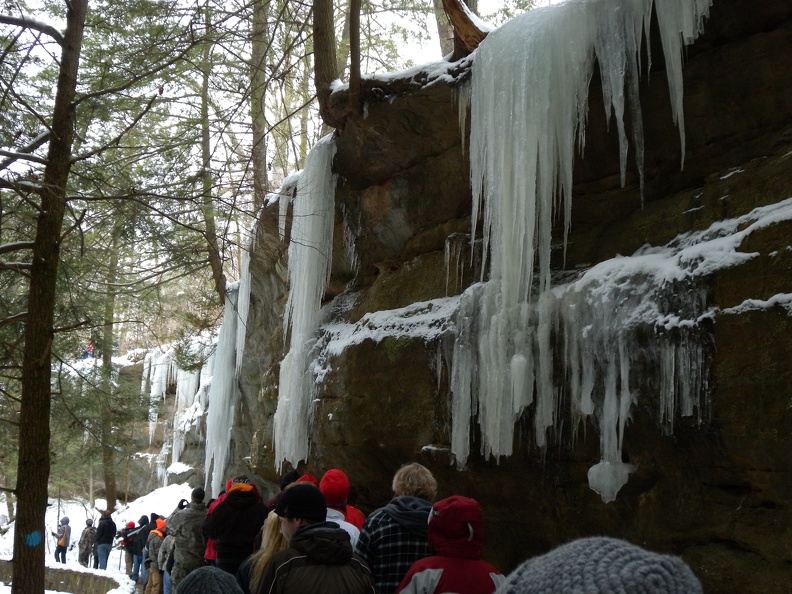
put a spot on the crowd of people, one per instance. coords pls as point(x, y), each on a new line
point(308, 538)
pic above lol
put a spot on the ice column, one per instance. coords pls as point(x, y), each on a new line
point(310, 253)
point(223, 394)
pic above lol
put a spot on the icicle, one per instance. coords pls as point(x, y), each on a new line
point(223, 395)
point(529, 101)
point(310, 258)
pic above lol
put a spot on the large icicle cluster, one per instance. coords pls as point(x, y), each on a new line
point(528, 97)
point(310, 253)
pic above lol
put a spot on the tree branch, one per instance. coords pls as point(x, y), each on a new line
point(16, 246)
point(33, 24)
point(20, 317)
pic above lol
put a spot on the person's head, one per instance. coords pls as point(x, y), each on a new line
point(301, 504)
point(107, 514)
point(456, 528)
point(209, 580)
point(161, 525)
point(414, 480)
point(154, 517)
point(197, 495)
point(272, 541)
point(603, 565)
point(308, 478)
point(143, 520)
point(130, 525)
point(335, 487)
point(89, 522)
point(64, 520)
point(288, 478)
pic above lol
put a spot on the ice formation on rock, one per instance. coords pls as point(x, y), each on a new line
point(310, 253)
point(223, 395)
point(528, 97)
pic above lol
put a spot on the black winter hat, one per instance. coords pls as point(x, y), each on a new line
point(143, 520)
point(198, 494)
point(288, 478)
point(304, 501)
point(209, 580)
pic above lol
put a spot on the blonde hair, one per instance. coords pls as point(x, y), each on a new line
point(414, 480)
point(272, 541)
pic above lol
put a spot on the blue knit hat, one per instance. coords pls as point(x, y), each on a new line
point(600, 566)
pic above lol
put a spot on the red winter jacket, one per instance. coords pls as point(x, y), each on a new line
point(456, 536)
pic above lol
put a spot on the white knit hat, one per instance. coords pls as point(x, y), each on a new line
point(601, 566)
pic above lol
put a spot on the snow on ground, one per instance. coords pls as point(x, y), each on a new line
point(162, 501)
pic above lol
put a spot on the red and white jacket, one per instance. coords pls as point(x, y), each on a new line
point(456, 536)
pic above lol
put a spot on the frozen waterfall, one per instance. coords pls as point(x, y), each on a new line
point(310, 252)
point(528, 96)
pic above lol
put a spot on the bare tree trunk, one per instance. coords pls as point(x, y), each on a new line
point(343, 44)
point(324, 53)
point(444, 29)
point(355, 104)
point(215, 259)
point(34, 426)
point(108, 453)
point(258, 89)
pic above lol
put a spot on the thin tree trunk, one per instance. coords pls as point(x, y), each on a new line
point(355, 104)
point(444, 29)
point(343, 44)
point(215, 259)
point(324, 53)
point(34, 428)
point(108, 454)
point(304, 90)
point(258, 89)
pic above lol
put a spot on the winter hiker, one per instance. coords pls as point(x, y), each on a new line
point(153, 544)
point(456, 536)
point(210, 553)
point(601, 565)
point(165, 562)
point(105, 533)
point(335, 487)
point(186, 526)
point(138, 543)
point(335, 490)
point(86, 545)
point(127, 535)
point(144, 534)
point(319, 557)
point(272, 541)
point(234, 523)
point(395, 536)
point(62, 536)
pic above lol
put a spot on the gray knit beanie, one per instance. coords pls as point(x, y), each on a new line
point(600, 566)
point(209, 580)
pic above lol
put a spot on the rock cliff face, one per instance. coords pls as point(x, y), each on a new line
point(716, 492)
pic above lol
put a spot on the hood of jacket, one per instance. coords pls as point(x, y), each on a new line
point(409, 512)
point(323, 542)
point(456, 528)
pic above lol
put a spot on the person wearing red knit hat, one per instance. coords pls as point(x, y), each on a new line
point(335, 487)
